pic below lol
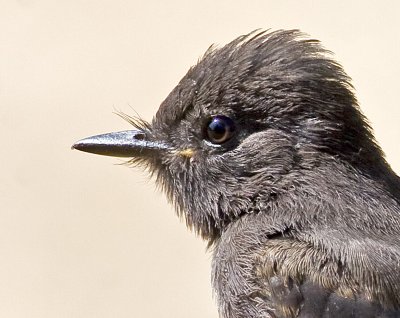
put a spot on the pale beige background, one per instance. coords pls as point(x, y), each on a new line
point(83, 237)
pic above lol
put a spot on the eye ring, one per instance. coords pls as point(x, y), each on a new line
point(220, 129)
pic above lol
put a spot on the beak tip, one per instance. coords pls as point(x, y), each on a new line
point(76, 145)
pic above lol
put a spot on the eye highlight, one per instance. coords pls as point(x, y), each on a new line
point(220, 129)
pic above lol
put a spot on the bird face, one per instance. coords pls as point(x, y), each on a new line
point(261, 108)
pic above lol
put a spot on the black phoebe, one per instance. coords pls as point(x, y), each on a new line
point(263, 149)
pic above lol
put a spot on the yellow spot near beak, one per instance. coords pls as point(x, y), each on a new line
point(186, 152)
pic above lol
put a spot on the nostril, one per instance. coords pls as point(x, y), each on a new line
point(139, 136)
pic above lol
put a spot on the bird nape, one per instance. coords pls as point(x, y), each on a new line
point(264, 151)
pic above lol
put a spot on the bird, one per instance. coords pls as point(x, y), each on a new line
point(265, 153)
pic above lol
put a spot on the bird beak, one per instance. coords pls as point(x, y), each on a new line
point(129, 143)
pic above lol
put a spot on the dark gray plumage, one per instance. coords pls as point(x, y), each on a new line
point(298, 204)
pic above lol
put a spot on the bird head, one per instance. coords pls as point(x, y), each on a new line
point(241, 122)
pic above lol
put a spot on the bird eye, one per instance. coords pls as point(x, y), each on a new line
point(220, 129)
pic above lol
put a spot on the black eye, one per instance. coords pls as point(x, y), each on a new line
point(220, 129)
